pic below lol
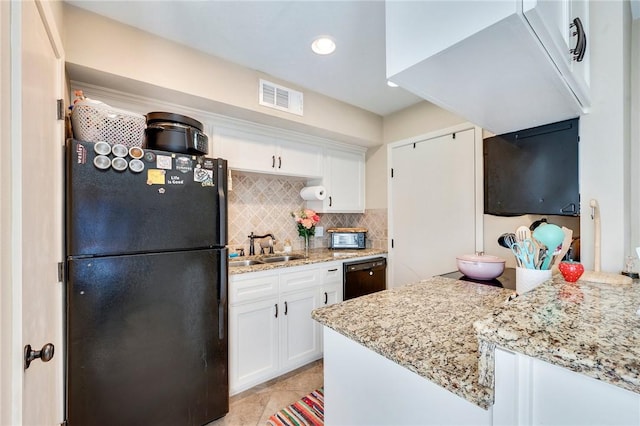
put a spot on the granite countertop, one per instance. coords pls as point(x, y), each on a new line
point(589, 328)
point(315, 256)
point(426, 327)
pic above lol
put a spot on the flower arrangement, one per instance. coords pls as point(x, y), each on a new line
point(306, 220)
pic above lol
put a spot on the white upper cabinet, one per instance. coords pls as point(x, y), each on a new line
point(298, 159)
point(344, 174)
point(562, 27)
point(266, 153)
point(503, 65)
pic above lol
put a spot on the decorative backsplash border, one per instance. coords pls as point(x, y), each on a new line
point(263, 204)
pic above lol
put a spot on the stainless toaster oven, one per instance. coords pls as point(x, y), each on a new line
point(347, 238)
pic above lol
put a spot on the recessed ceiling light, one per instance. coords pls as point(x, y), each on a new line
point(323, 45)
point(391, 84)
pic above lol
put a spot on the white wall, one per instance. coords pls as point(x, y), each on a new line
point(6, 279)
point(109, 54)
point(635, 137)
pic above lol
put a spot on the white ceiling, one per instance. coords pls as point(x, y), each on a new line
point(274, 37)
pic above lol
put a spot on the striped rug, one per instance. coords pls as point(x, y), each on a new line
point(309, 411)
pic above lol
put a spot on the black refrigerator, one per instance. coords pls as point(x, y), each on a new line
point(146, 288)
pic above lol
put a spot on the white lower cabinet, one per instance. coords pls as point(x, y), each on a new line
point(253, 342)
point(271, 330)
point(299, 333)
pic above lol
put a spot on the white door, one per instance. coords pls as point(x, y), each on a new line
point(32, 244)
point(433, 203)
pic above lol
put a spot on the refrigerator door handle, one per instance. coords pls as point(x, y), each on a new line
point(222, 201)
point(222, 294)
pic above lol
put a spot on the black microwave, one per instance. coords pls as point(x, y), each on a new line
point(347, 239)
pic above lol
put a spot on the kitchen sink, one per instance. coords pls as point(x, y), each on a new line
point(247, 262)
point(274, 259)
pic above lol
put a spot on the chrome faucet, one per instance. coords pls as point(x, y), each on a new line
point(252, 237)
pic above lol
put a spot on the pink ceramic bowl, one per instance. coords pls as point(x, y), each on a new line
point(480, 266)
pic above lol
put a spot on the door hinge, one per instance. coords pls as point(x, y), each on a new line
point(61, 272)
point(392, 172)
point(392, 243)
point(454, 135)
point(60, 109)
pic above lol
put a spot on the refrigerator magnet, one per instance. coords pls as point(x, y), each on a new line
point(204, 176)
point(163, 162)
point(155, 177)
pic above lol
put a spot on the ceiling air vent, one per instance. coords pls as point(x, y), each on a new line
point(279, 97)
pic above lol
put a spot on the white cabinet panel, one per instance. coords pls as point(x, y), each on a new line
point(253, 343)
point(529, 391)
point(331, 290)
point(300, 335)
point(551, 21)
point(256, 286)
point(344, 181)
point(244, 151)
point(298, 280)
point(262, 153)
point(298, 159)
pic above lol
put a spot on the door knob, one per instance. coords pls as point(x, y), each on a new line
point(45, 354)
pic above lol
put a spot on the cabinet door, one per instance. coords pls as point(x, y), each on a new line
point(330, 294)
point(331, 290)
point(551, 20)
point(344, 180)
point(246, 151)
point(253, 343)
point(298, 159)
point(300, 335)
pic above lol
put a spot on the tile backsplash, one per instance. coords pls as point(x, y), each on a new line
point(263, 204)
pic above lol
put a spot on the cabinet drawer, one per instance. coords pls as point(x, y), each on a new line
point(291, 281)
point(332, 273)
point(247, 289)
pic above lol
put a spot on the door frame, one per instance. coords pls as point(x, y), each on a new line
point(479, 188)
point(11, 154)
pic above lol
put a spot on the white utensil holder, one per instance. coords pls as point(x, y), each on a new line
point(528, 279)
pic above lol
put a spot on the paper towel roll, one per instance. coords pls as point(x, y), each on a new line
point(313, 193)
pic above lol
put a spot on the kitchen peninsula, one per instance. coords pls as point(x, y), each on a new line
point(442, 351)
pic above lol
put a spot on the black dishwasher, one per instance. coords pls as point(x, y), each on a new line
point(364, 277)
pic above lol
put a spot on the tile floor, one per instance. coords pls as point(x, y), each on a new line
point(256, 405)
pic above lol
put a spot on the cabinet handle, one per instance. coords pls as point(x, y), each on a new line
point(279, 162)
point(285, 308)
point(330, 201)
point(332, 270)
point(326, 297)
point(581, 43)
point(273, 161)
point(276, 310)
